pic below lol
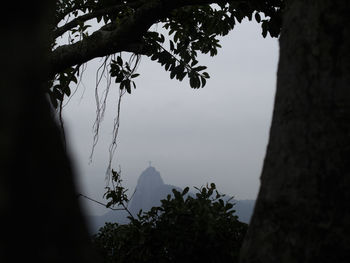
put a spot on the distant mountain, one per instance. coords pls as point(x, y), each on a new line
point(150, 189)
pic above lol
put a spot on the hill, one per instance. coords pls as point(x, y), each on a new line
point(150, 189)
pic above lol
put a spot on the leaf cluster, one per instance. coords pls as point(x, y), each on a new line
point(60, 86)
point(185, 228)
point(178, 62)
point(123, 73)
point(74, 8)
point(192, 29)
point(196, 29)
point(117, 193)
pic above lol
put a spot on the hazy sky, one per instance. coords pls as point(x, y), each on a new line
point(193, 137)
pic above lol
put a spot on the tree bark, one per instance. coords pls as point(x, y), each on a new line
point(303, 209)
point(41, 219)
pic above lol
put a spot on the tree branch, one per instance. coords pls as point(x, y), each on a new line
point(112, 38)
point(76, 21)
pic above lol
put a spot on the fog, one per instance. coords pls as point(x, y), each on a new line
point(192, 137)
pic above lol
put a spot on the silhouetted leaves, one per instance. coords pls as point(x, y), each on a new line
point(182, 229)
point(117, 194)
point(123, 74)
point(191, 30)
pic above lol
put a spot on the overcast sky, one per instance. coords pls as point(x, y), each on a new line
point(193, 137)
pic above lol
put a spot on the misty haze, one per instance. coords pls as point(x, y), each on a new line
point(175, 131)
point(193, 137)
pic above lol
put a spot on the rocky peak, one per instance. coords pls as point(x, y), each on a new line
point(149, 180)
point(149, 191)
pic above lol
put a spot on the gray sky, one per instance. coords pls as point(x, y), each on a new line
point(193, 137)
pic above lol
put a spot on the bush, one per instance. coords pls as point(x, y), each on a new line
point(183, 229)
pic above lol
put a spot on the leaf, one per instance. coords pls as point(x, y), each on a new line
point(135, 75)
point(67, 91)
point(181, 75)
point(264, 28)
point(192, 82)
point(177, 36)
point(204, 81)
point(58, 94)
point(195, 82)
point(185, 191)
point(228, 206)
point(194, 62)
point(257, 17)
point(122, 85)
point(172, 74)
point(74, 79)
point(178, 70)
point(120, 61)
point(154, 57)
point(152, 34)
point(206, 75)
point(171, 45)
point(128, 86)
point(199, 68)
point(119, 78)
point(167, 66)
point(57, 86)
point(175, 192)
point(162, 39)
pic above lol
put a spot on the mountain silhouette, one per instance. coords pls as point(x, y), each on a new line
point(150, 189)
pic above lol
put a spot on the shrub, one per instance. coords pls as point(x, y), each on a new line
point(202, 228)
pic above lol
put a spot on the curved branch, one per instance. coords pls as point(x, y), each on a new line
point(100, 12)
point(110, 39)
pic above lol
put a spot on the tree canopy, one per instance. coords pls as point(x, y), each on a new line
point(302, 210)
point(200, 228)
point(191, 27)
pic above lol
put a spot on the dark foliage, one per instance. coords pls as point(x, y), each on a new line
point(182, 229)
point(190, 28)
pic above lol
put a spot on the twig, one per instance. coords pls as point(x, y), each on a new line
point(100, 203)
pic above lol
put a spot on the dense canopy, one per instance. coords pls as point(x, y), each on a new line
point(108, 28)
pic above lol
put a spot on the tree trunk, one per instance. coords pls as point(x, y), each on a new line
point(303, 209)
point(41, 220)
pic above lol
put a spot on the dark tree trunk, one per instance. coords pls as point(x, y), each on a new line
point(303, 208)
point(41, 220)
